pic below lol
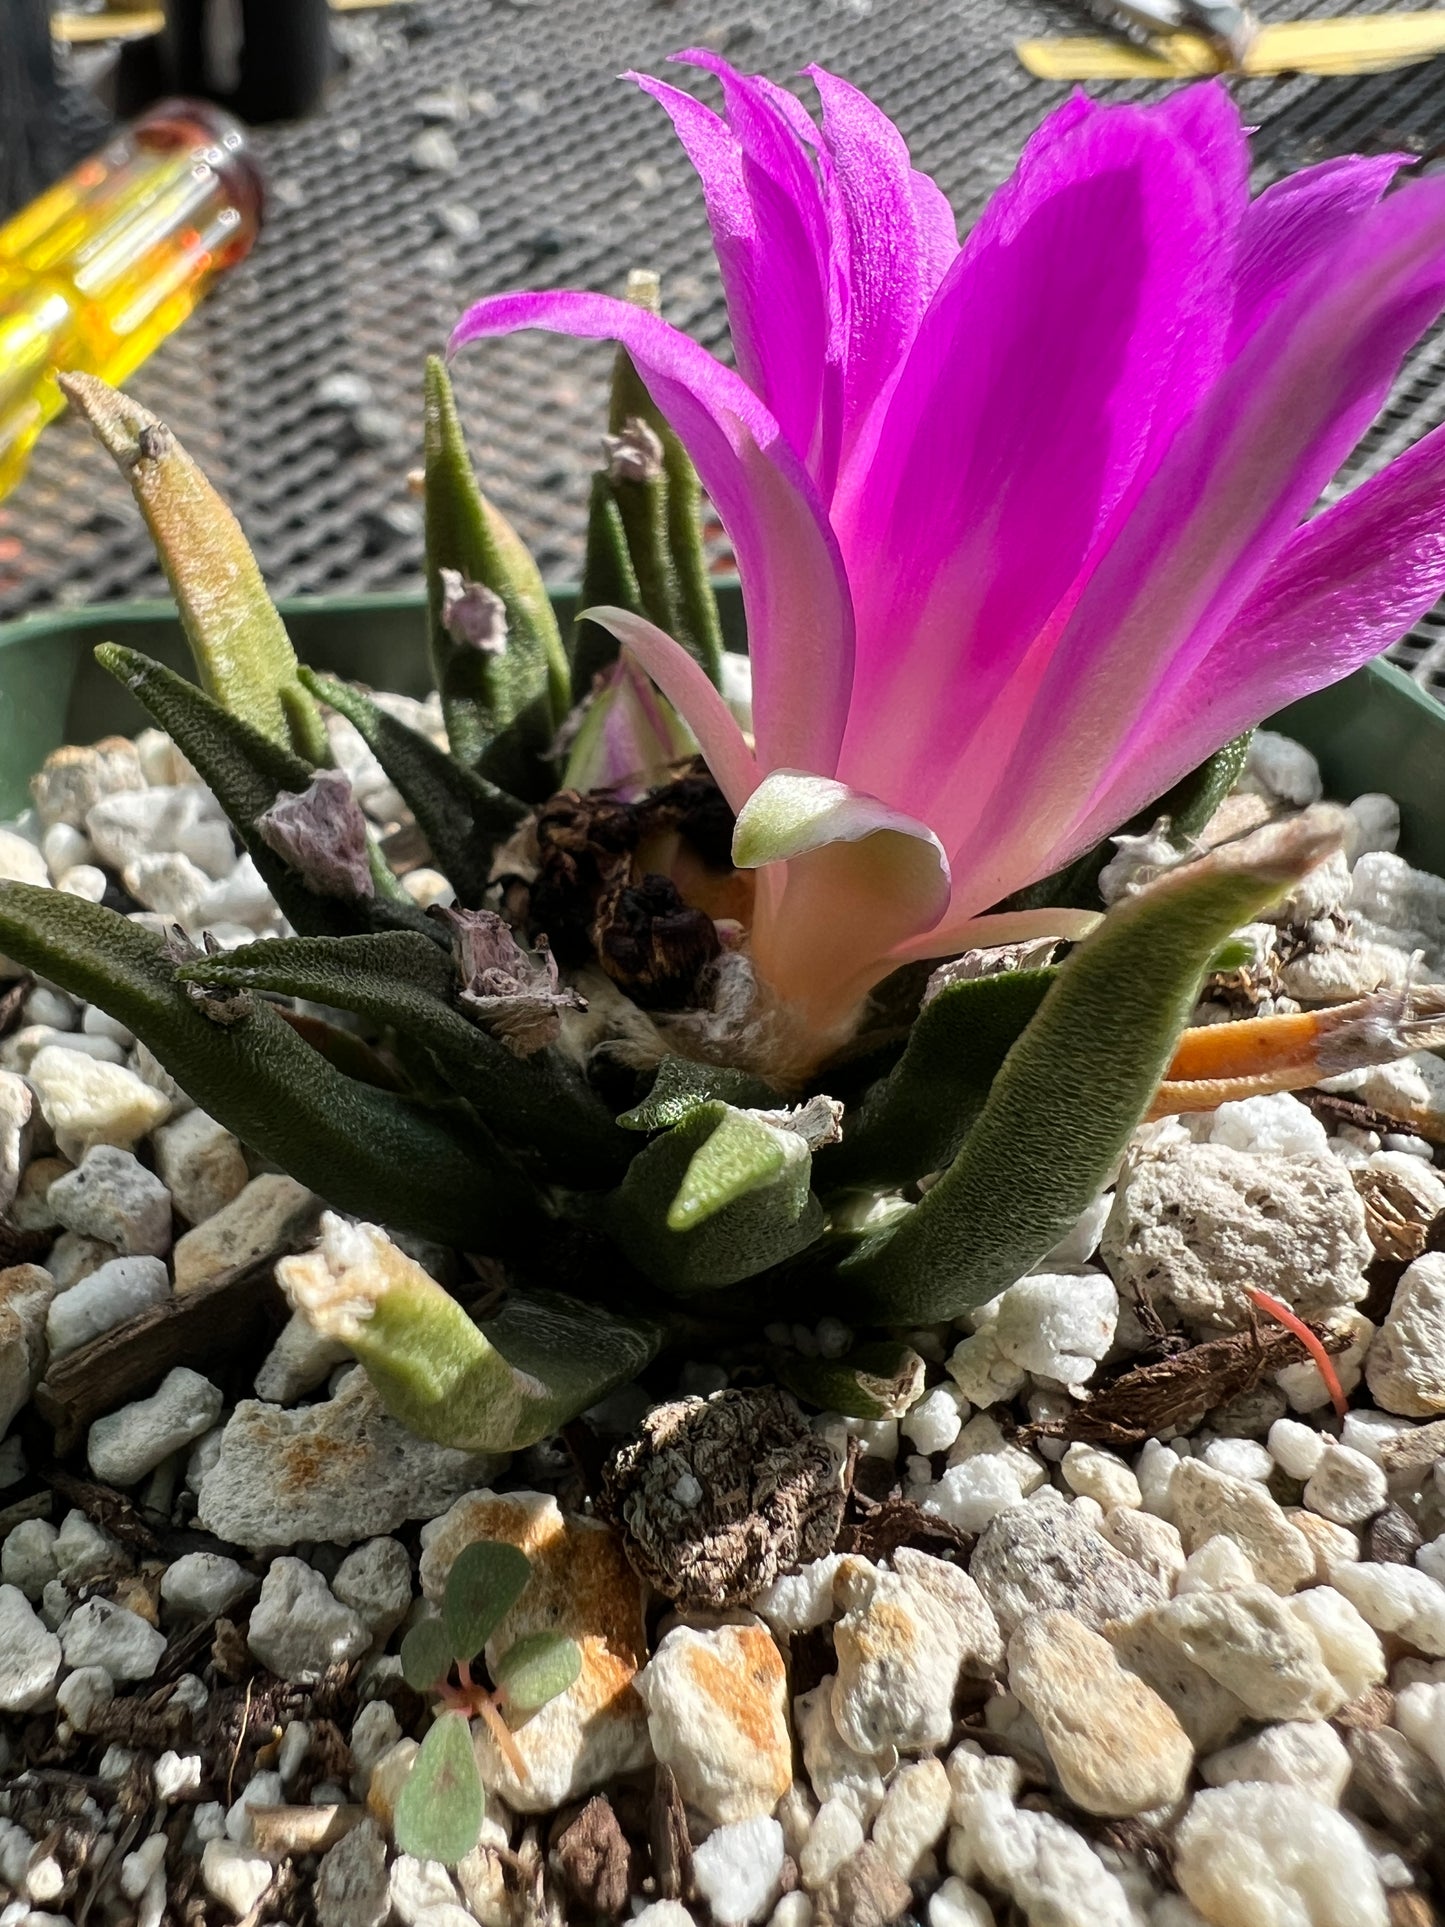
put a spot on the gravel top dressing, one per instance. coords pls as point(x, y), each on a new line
point(1122, 1624)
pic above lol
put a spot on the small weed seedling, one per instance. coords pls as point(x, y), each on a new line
point(439, 1811)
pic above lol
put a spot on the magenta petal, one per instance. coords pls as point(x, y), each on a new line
point(1346, 587)
point(893, 263)
point(1223, 504)
point(1084, 315)
point(800, 620)
point(1293, 224)
point(765, 205)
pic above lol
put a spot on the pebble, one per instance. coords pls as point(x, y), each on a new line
point(21, 861)
point(26, 1295)
point(737, 1871)
point(298, 1627)
point(1240, 1458)
point(84, 1552)
point(341, 1470)
point(73, 1258)
point(1217, 1566)
point(113, 1197)
point(17, 1104)
point(351, 1882)
point(1205, 1502)
point(1281, 770)
point(934, 1422)
point(1044, 1558)
point(1346, 1487)
point(1104, 1476)
point(902, 1645)
point(1405, 1369)
point(1058, 1327)
point(973, 1492)
point(801, 1600)
point(913, 1818)
point(956, 1904)
point(1420, 1716)
point(27, 1558)
point(125, 1445)
point(1116, 1745)
point(1276, 1124)
point(1150, 1542)
point(177, 1775)
point(838, 1773)
point(29, 1654)
point(202, 1585)
point(201, 1165)
point(75, 777)
point(107, 1297)
point(100, 1633)
point(717, 1715)
point(1296, 1449)
point(1194, 1224)
point(301, 1359)
point(1257, 1649)
point(1391, 1775)
point(981, 1371)
point(233, 1876)
point(835, 1836)
point(86, 1102)
point(581, 1586)
point(1039, 1863)
point(1397, 1599)
point(375, 1581)
point(1271, 1856)
point(270, 1212)
point(1305, 1753)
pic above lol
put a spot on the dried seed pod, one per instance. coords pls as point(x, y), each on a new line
point(720, 1495)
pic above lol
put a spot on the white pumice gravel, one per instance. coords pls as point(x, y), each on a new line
point(1134, 1620)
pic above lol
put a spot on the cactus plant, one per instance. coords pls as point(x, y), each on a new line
point(669, 1058)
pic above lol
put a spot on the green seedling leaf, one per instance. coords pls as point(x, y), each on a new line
point(878, 1380)
point(683, 1086)
point(519, 691)
point(539, 1667)
point(439, 1809)
point(1075, 1084)
point(365, 1151)
point(913, 1120)
point(426, 1655)
point(485, 1582)
point(239, 642)
point(493, 1387)
point(248, 771)
point(1195, 798)
point(741, 1155)
point(608, 581)
point(402, 979)
point(670, 560)
point(1233, 955)
point(730, 1239)
point(462, 816)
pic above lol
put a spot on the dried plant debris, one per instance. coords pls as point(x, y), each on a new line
point(519, 998)
point(874, 1530)
point(720, 1496)
point(1176, 1393)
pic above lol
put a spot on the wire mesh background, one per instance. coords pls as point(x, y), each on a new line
point(560, 174)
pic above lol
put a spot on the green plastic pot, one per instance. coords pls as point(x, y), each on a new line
point(1375, 731)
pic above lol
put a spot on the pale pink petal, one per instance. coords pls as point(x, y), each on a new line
point(684, 683)
point(953, 935)
point(799, 617)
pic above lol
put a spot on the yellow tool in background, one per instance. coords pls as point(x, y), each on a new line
point(101, 267)
point(1348, 44)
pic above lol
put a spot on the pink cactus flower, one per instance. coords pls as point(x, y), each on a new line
point(1023, 525)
